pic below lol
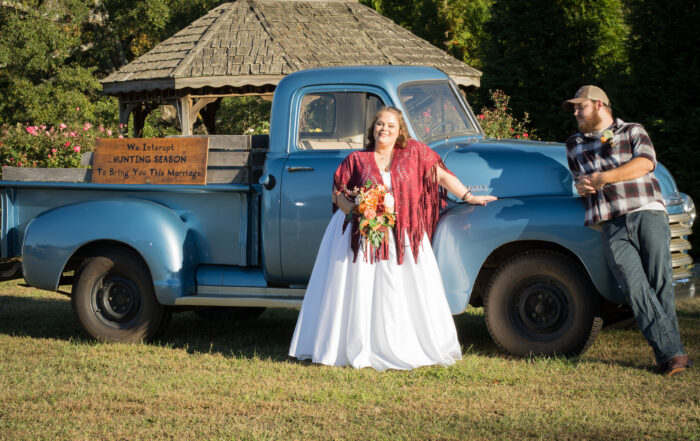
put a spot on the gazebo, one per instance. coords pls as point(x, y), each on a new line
point(247, 46)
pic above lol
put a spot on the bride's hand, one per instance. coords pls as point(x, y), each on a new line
point(481, 199)
point(345, 204)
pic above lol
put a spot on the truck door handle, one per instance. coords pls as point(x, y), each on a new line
point(296, 169)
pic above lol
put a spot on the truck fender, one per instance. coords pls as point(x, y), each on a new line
point(467, 235)
point(154, 231)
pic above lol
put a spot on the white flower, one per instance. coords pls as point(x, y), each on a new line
point(388, 201)
point(359, 198)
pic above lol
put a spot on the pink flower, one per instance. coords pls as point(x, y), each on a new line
point(62, 126)
point(481, 116)
point(30, 130)
point(525, 135)
point(53, 150)
point(73, 134)
point(66, 144)
point(87, 126)
point(121, 136)
point(49, 155)
point(109, 132)
point(78, 109)
point(77, 148)
point(101, 129)
point(43, 127)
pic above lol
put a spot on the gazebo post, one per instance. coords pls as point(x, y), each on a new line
point(183, 110)
point(141, 110)
point(208, 113)
point(123, 117)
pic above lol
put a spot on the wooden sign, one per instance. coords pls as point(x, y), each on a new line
point(150, 161)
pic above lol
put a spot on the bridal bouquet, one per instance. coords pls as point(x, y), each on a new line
point(375, 210)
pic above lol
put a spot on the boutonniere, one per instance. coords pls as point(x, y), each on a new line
point(607, 137)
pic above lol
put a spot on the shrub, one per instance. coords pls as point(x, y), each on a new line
point(42, 146)
point(498, 122)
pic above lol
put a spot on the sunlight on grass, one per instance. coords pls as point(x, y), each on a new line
point(222, 380)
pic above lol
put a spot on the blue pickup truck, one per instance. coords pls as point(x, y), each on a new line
point(141, 252)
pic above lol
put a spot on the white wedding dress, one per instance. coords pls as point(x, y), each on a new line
point(381, 315)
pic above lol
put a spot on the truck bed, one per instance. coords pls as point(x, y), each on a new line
point(232, 159)
point(223, 214)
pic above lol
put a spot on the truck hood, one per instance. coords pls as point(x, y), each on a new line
point(519, 168)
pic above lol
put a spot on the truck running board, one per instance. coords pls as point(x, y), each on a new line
point(244, 296)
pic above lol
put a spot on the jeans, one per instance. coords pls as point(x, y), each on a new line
point(637, 251)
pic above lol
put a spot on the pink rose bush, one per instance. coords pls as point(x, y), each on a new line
point(41, 146)
point(498, 123)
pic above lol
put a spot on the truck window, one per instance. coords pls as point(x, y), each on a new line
point(336, 120)
point(434, 111)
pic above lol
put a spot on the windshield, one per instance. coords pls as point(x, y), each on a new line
point(434, 111)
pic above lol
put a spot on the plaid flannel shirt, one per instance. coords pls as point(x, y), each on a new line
point(586, 154)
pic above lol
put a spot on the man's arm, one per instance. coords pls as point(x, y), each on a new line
point(632, 169)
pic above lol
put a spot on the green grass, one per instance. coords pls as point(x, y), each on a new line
point(223, 380)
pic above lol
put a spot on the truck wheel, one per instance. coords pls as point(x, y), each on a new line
point(113, 298)
point(233, 313)
point(542, 303)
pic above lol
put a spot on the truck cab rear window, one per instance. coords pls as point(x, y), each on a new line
point(336, 120)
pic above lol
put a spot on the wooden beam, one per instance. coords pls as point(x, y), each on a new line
point(184, 106)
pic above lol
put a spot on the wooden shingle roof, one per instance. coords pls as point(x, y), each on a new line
point(257, 42)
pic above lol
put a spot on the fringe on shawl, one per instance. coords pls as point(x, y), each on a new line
point(432, 200)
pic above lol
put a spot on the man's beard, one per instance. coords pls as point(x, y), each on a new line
point(591, 123)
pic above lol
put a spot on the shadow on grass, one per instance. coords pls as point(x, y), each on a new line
point(266, 337)
point(269, 335)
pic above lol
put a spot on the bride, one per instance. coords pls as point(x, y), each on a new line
point(383, 307)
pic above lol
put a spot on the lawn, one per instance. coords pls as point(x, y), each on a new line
point(226, 380)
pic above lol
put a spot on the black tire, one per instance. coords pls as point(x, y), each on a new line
point(542, 303)
point(232, 313)
point(113, 298)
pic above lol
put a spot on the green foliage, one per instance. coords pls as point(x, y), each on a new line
point(663, 91)
point(42, 146)
point(39, 75)
point(422, 17)
point(498, 122)
point(465, 22)
point(540, 52)
point(248, 115)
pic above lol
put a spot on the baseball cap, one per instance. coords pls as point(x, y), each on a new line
point(586, 93)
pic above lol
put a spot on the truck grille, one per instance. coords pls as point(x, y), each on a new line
point(680, 229)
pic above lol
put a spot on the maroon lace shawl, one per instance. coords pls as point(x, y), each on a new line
point(417, 195)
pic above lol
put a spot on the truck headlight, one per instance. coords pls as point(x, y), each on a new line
point(689, 207)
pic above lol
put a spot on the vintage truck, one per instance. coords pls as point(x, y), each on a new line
point(247, 240)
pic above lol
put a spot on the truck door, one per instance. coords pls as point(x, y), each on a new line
point(330, 124)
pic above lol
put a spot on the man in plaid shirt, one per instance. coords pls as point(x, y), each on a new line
point(612, 163)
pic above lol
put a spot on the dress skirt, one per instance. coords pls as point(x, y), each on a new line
point(381, 315)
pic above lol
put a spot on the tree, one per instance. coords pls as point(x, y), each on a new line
point(39, 75)
point(540, 52)
point(422, 17)
point(465, 22)
point(53, 53)
point(664, 88)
